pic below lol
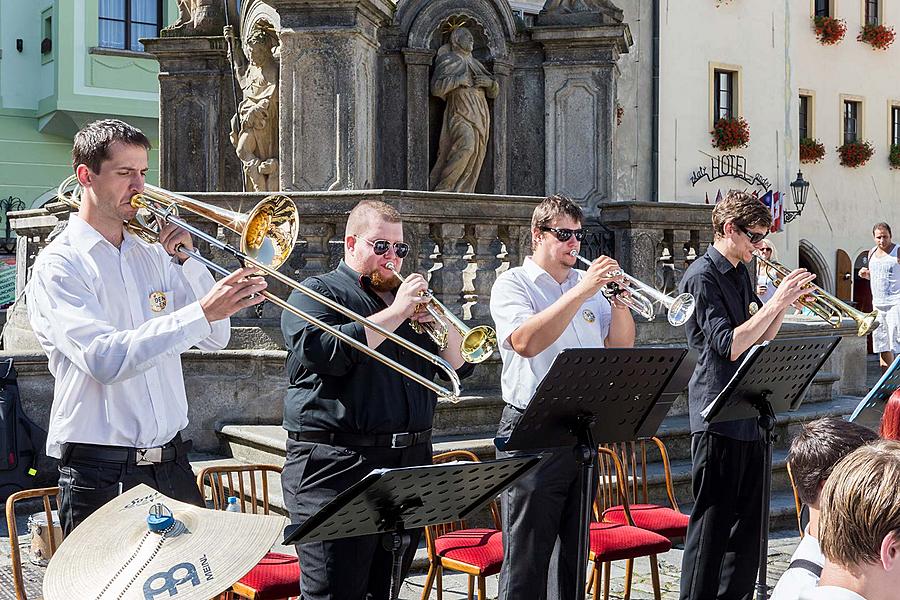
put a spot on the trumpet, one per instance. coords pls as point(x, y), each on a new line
point(478, 343)
point(268, 233)
point(821, 303)
point(640, 297)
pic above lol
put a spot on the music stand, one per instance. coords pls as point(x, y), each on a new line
point(868, 412)
point(391, 501)
point(620, 384)
point(772, 378)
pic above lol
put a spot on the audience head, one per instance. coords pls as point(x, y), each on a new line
point(890, 420)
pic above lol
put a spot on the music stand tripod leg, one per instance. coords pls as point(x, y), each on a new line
point(767, 421)
point(586, 455)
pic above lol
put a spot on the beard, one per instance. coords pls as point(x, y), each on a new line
point(378, 283)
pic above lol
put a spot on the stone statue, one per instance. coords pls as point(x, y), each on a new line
point(254, 129)
point(464, 83)
point(197, 17)
point(577, 11)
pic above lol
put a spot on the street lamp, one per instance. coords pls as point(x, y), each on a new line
point(799, 190)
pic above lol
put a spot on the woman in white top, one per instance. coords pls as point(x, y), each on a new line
point(883, 271)
point(765, 287)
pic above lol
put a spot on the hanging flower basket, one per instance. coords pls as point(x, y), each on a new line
point(811, 150)
point(894, 156)
point(730, 133)
point(830, 30)
point(855, 154)
point(877, 36)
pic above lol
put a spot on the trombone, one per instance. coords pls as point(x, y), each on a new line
point(267, 233)
point(478, 343)
point(640, 297)
point(821, 303)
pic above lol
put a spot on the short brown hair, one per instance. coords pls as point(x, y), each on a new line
point(363, 213)
point(881, 225)
point(92, 142)
point(818, 447)
point(553, 207)
point(741, 208)
point(860, 504)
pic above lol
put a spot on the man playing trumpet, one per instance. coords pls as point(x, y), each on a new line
point(540, 309)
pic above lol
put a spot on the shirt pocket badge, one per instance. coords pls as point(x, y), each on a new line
point(588, 315)
point(158, 301)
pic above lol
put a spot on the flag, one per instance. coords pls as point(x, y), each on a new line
point(777, 213)
point(707, 197)
point(719, 197)
point(767, 199)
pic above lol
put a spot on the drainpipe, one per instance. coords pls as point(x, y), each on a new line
point(654, 137)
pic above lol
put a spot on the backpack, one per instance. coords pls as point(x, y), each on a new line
point(21, 440)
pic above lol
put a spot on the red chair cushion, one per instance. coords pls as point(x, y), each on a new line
point(652, 517)
point(481, 548)
point(614, 541)
point(275, 576)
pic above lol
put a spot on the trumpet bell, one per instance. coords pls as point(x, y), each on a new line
point(479, 344)
point(681, 309)
point(867, 323)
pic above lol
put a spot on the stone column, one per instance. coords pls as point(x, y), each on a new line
point(418, 65)
point(502, 72)
point(580, 76)
point(196, 103)
point(327, 92)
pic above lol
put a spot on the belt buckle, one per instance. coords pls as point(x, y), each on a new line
point(148, 456)
point(401, 440)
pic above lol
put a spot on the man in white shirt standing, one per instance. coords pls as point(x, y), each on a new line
point(114, 313)
point(819, 446)
point(859, 528)
point(540, 309)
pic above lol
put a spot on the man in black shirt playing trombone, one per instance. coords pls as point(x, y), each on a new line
point(347, 413)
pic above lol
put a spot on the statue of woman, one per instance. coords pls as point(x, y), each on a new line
point(254, 129)
point(464, 83)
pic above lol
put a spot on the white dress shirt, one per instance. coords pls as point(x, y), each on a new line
point(116, 361)
point(830, 592)
point(520, 293)
point(797, 580)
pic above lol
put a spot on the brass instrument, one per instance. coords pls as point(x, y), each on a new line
point(640, 297)
point(267, 233)
point(478, 343)
point(821, 303)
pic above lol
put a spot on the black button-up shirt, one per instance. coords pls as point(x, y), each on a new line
point(336, 388)
point(723, 295)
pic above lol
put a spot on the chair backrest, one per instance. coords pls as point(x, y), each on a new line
point(432, 532)
point(249, 483)
point(635, 457)
point(46, 495)
point(797, 504)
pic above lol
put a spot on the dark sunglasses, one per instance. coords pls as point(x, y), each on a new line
point(754, 238)
point(563, 235)
point(401, 249)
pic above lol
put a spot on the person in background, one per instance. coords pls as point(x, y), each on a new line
point(890, 420)
point(765, 287)
point(883, 271)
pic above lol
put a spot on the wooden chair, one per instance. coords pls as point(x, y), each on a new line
point(667, 521)
point(46, 494)
point(277, 575)
point(611, 541)
point(478, 552)
point(797, 504)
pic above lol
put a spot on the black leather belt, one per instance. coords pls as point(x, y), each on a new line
point(123, 454)
point(381, 440)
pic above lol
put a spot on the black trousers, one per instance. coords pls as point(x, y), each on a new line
point(721, 550)
point(86, 485)
point(540, 525)
point(355, 568)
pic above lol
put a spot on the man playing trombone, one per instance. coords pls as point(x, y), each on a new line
point(540, 309)
point(722, 544)
point(114, 313)
point(347, 414)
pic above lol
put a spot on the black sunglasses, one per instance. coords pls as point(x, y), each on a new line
point(401, 249)
point(563, 235)
point(754, 238)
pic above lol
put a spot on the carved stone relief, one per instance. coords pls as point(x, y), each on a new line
point(199, 17)
point(571, 12)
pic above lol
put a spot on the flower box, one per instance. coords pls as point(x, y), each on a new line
point(811, 150)
point(877, 36)
point(730, 133)
point(855, 154)
point(830, 30)
point(894, 156)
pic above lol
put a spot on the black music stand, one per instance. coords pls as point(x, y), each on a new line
point(772, 378)
point(869, 411)
point(618, 385)
point(391, 501)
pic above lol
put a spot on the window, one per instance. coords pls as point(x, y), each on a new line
point(724, 95)
point(124, 22)
point(851, 121)
point(895, 125)
point(805, 129)
point(872, 12)
point(822, 8)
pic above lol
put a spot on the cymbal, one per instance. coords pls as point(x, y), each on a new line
point(196, 553)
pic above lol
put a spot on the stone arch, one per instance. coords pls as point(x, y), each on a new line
point(419, 20)
point(812, 259)
point(254, 11)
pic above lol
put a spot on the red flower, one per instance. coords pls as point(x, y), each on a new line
point(830, 30)
point(730, 133)
point(855, 154)
point(811, 150)
point(878, 36)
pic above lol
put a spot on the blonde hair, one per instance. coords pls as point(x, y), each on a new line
point(860, 504)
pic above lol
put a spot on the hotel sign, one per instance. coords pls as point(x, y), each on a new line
point(729, 165)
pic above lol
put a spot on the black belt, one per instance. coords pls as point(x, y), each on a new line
point(123, 454)
point(380, 440)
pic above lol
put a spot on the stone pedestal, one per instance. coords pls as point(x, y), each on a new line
point(196, 104)
point(580, 76)
point(327, 92)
